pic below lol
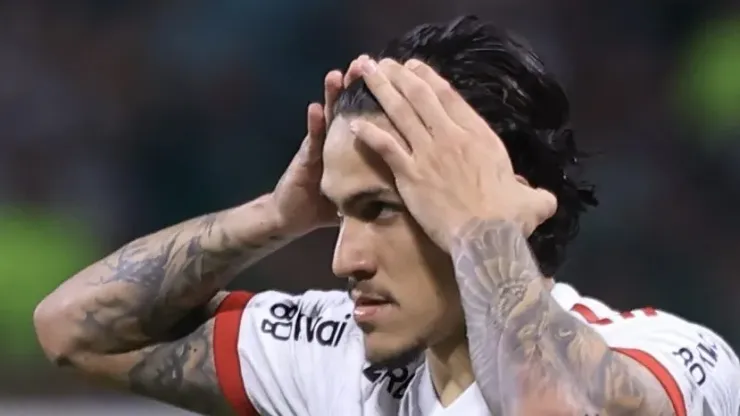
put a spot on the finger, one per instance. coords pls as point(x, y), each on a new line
point(419, 95)
point(454, 104)
point(459, 111)
point(316, 129)
point(312, 144)
point(332, 88)
point(395, 106)
point(315, 123)
point(384, 144)
point(354, 72)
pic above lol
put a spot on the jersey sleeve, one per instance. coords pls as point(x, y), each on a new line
point(697, 368)
point(269, 347)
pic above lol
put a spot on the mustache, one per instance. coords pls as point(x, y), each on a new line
point(366, 288)
point(351, 284)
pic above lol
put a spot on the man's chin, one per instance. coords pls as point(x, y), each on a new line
point(387, 357)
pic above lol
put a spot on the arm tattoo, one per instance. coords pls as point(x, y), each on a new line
point(525, 349)
point(144, 289)
point(181, 372)
point(142, 314)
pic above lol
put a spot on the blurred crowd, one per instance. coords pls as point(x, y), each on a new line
point(120, 117)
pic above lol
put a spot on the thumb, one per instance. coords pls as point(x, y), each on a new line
point(384, 144)
point(546, 204)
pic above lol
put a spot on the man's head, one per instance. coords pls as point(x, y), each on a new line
point(380, 246)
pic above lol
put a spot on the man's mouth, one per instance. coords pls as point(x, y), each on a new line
point(368, 307)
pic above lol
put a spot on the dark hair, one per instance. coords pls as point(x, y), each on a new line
point(506, 83)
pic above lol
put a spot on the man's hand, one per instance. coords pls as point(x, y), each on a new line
point(299, 204)
point(454, 167)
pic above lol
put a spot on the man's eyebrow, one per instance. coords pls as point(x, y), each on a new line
point(366, 194)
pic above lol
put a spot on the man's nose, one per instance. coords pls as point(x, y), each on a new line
point(353, 254)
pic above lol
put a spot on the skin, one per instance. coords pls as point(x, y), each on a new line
point(456, 180)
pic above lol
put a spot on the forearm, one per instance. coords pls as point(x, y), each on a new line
point(181, 372)
point(140, 292)
point(526, 349)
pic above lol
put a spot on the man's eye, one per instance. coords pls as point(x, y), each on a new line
point(377, 211)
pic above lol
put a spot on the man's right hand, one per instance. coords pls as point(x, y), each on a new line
point(297, 199)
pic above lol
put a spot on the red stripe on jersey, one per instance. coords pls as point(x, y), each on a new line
point(589, 315)
point(585, 312)
point(226, 355)
point(662, 374)
point(627, 315)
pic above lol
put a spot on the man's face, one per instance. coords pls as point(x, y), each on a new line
point(405, 293)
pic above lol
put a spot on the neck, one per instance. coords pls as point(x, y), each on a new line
point(450, 366)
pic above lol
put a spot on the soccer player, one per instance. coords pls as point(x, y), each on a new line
point(447, 164)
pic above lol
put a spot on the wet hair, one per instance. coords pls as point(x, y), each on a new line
point(506, 83)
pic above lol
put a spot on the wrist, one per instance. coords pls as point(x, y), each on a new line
point(262, 217)
point(258, 217)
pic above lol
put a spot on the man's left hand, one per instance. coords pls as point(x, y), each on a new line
point(453, 168)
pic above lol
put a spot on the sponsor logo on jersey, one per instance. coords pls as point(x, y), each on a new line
point(700, 358)
point(396, 379)
point(288, 322)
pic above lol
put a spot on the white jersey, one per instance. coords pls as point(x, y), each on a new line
point(280, 355)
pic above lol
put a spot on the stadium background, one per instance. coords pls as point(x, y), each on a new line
point(120, 117)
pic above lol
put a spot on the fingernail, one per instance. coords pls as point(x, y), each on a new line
point(413, 64)
point(369, 66)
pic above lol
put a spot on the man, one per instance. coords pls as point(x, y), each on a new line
point(448, 311)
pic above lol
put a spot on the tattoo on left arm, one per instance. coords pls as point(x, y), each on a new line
point(526, 350)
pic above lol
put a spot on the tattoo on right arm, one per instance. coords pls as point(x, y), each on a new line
point(138, 315)
point(182, 373)
point(140, 292)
